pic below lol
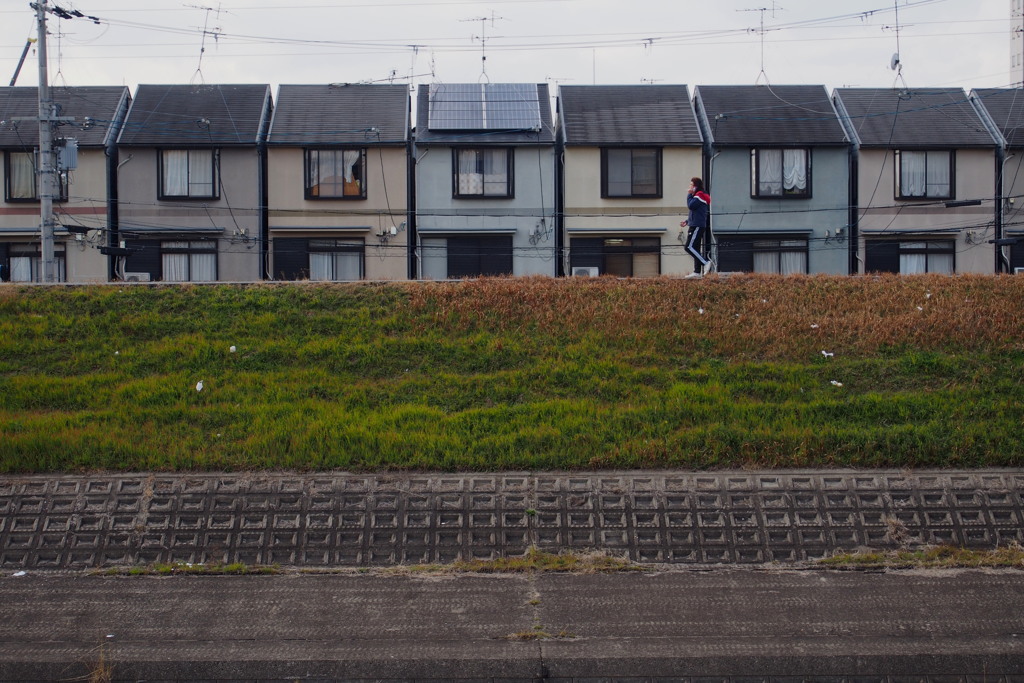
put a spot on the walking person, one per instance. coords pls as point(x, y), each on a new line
point(699, 203)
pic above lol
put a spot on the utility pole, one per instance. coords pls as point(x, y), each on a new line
point(47, 169)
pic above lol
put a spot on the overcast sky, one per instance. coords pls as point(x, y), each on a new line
point(577, 42)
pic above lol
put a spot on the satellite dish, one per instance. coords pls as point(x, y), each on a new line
point(895, 61)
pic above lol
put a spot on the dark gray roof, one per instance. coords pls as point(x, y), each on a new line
point(627, 114)
point(921, 117)
point(340, 114)
point(546, 134)
point(103, 104)
point(175, 114)
point(768, 115)
point(1005, 106)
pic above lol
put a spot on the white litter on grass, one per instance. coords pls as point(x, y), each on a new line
point(117, 353)
point(701, 311)
point(814, 326)
point(920, 308)
point(18, 574)
point(827, 354)
point(110, 635)
point(836, 384)
point(199, 385)
point(232, 349)
point(927, 295)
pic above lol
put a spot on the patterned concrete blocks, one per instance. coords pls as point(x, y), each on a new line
point(327, 519)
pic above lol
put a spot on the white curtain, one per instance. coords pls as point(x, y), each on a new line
point(470, 181)
point(911, 264)
point(619, 172)
point(204, 267)
point(794, 171)
point(175, 266)
point(495, 172)
point(23, 176)
point(913, 174)
point(769, 171)
point(434, 258)
point(21, 269)
point(793, 262)
point(175, 171)
point(320, 266)
point(938, 174)
point(766, 259)
point(200, 173)
point(350, 160)
point(940, 263)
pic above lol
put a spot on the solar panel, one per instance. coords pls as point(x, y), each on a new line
point(484, 106)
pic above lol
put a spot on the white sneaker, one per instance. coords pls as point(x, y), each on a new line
point(693, 275)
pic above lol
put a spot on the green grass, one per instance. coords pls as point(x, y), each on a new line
point(515, 374)
point(938, 557)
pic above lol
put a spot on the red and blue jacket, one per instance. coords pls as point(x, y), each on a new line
point(699, 204)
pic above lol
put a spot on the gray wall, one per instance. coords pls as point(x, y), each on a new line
point(534, 177)
point(734, 210)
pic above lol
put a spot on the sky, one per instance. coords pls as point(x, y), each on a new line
point(837, 43)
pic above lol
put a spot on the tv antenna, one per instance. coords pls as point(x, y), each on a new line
point(215, 32)
point(894, 63)
point(761, 31)
point(483, 38)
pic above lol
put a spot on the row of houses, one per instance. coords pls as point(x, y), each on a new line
point(334, 182)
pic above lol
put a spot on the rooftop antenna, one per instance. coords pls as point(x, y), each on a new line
point(894, 63)
point(483, 42)
point(773, 9)
point(202, 45)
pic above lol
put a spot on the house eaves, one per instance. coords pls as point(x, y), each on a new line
point(925, 118)
point(763, 115)
point(197, 116)
point(340, 114)
point(543, 135)
point(97, 111)
point(627, 115)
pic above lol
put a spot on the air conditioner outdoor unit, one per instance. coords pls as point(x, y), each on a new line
point(1018, 270)
point(136, 277)
point(589, 271)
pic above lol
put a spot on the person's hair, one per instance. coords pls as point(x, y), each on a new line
point(698, 184)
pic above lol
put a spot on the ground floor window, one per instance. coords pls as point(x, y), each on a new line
point(181, 260)
point(778, 254)
point(189, 261)
point(23, 262)
point(462, 257)
point(618, 256)
point(910, 256)
point(323, 259)
point(1017, 257)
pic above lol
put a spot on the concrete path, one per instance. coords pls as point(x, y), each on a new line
point(726, 625)
point(337, 519)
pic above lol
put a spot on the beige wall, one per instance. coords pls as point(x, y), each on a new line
point(583, 197)
point(975, 179)
point(236, 211)
point(86, 205)
point(386, 205)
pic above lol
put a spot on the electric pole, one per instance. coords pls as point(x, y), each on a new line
point(47, 170)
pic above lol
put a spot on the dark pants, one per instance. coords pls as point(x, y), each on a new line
point(695, 247)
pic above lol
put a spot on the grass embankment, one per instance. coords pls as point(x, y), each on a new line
point(515, 374)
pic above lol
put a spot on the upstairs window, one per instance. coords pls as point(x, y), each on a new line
point(483, 173)
point(631, 172)
point(189, 174)
point(924, 175)
point(336, 174)
point(22, 182)
point(780, 173)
